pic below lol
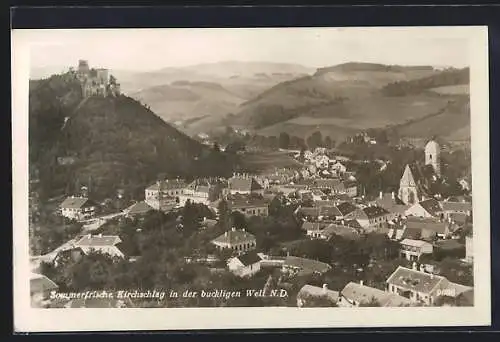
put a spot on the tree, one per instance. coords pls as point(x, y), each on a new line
point(224, 215)
point(315, 140)
point(239, 220)
point(284, 140)
point(445, 301)
point(235, 147)
point(329, 142)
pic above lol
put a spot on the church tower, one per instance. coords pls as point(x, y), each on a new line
point(408, 190)
point(433, 156)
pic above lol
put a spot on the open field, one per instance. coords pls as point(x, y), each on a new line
point(266, 161)
point(461, 89)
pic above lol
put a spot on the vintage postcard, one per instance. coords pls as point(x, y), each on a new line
point(250, 178)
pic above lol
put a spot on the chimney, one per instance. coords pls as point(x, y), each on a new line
point(361, 282)
point(393, 195)
point(343, 222)
point(380, 194)
point(414, 266)
point(325, 288)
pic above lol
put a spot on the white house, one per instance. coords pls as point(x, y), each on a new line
point(237, 240)
point(449, 208)
point(245, 265)
point(373, 217)
point(203, 191)
point(101, 244)
point(163, 195)
point(413, 249)
point(78, 208)
point(422, 287)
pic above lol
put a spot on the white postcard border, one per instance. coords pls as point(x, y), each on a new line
point(27, 319)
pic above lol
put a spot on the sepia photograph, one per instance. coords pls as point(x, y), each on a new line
point(319, 177)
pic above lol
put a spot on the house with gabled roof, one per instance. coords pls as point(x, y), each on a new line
point(399, 231)
point(239, 241)
point(457, 211)
point(412, 250)
point(358, 294)
point(372, 218)
point(78, 208)
point(138, 209)
point(343, 230)
point(105, 244)
point(245, 265)
point(297, 266)
point(164, 194)
point(204, 191)
point(169, 187)
point(429, 228)
point(311, 292)
point(346, 210)
point(392, 204)
point(313, 229)
point(422, 287)
point(426, 208)
point(249, 205)
point(244, 184)
point(334, 210)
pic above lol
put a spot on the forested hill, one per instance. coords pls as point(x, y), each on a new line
point(452, 77)
point(108, 143)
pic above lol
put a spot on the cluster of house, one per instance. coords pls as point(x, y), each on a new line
point(416, 286)
point(319, 164)
point(328, 206)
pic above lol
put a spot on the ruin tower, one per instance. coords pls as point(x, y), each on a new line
point(433, 156)
point(83, 66)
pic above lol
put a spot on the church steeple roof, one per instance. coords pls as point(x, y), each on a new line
point(408, 179)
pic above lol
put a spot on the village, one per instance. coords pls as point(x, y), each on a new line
point(325, 201)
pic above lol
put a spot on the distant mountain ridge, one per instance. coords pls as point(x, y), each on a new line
point(355, 96)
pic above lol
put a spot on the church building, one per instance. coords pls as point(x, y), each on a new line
point(415, 179)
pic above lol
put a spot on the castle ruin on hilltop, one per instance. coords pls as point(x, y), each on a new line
point(96, 82)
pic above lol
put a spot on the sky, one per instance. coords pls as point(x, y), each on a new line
point(152, 49)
